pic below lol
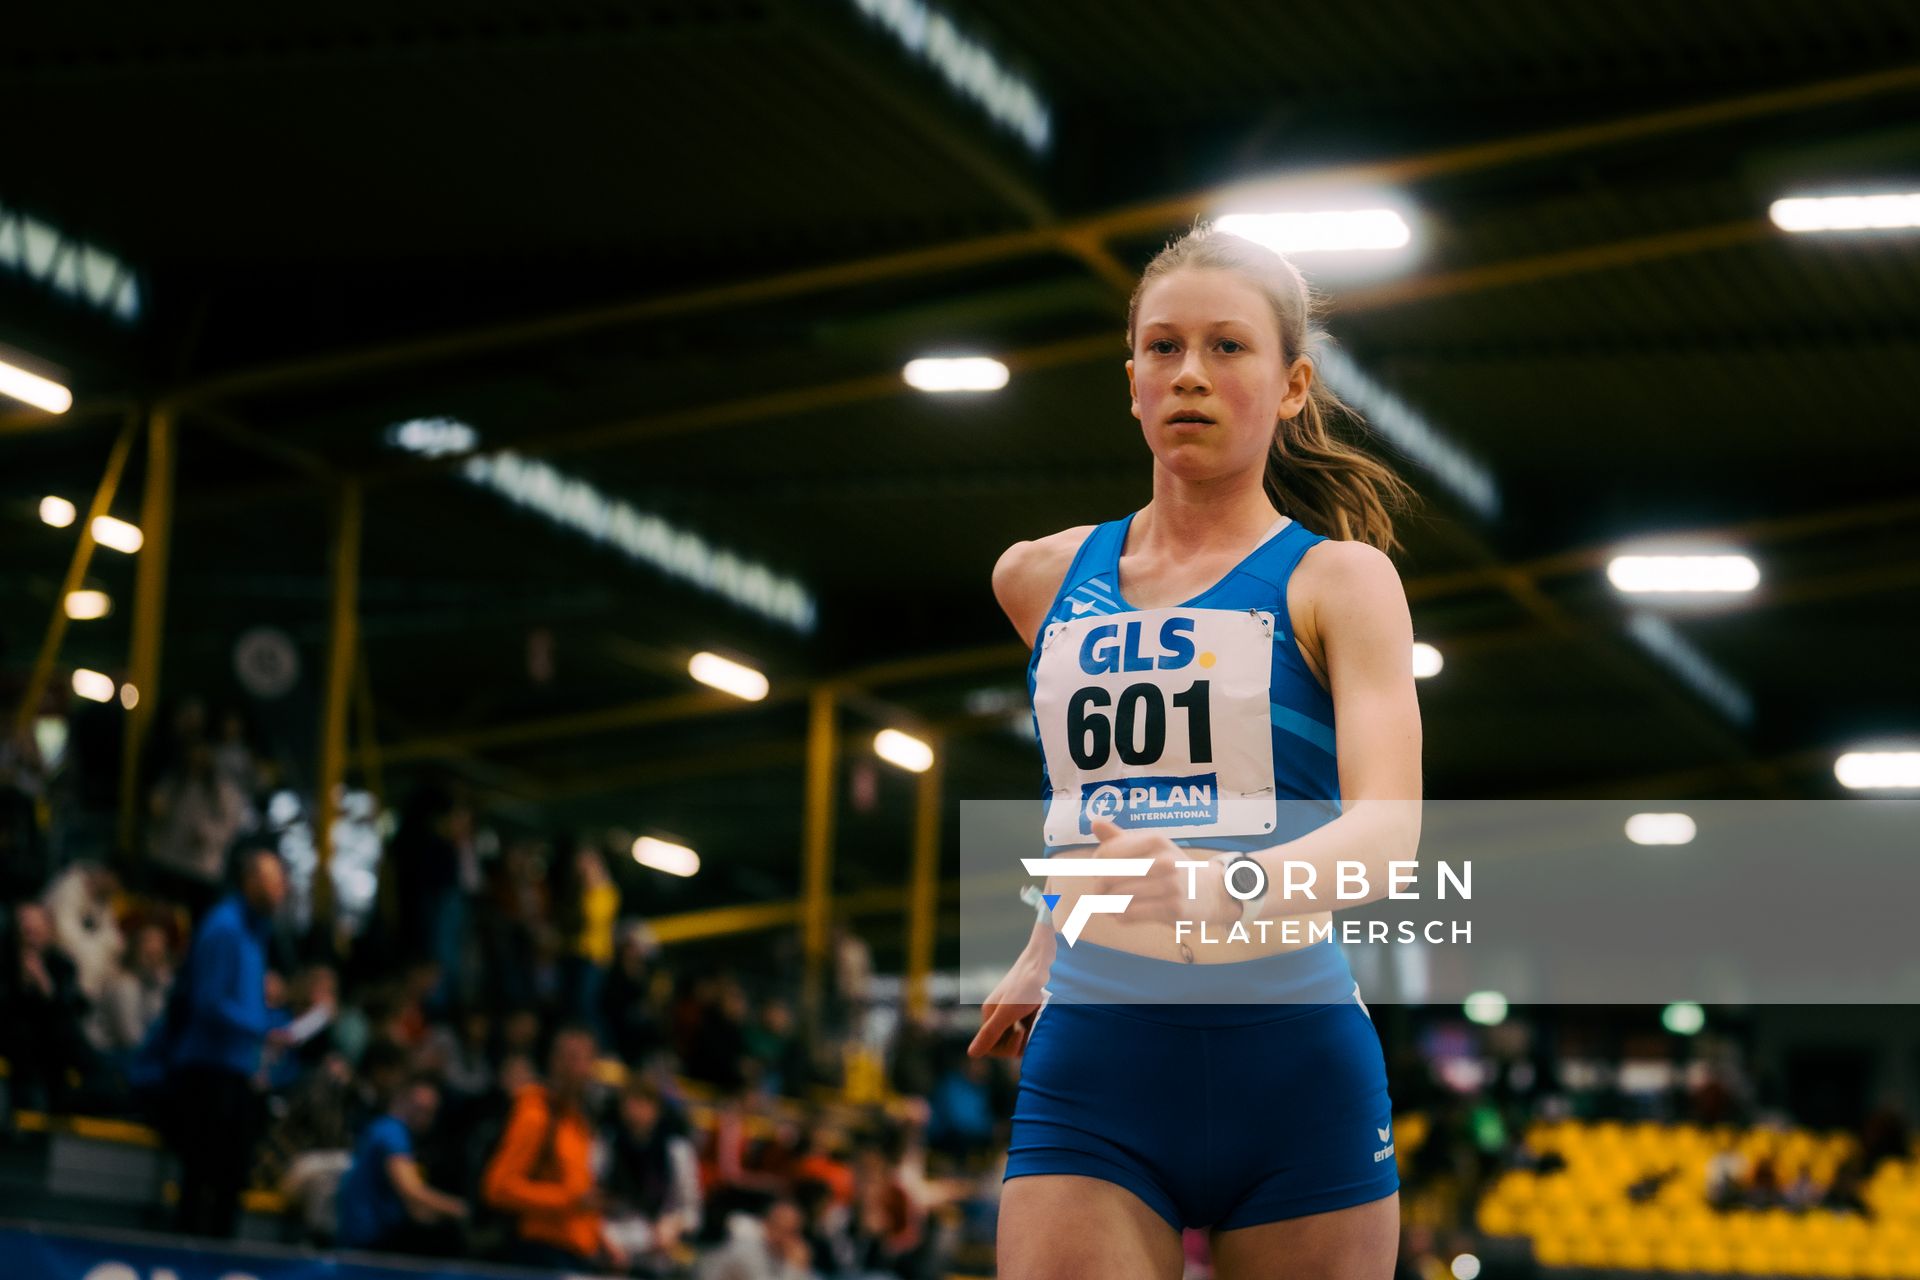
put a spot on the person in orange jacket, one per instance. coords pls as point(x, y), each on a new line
point(543, 1170)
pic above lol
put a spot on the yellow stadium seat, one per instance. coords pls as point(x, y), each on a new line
point(1553, 1250)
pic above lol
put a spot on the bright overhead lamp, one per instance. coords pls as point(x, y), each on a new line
point(1683, 574)
point(57, 512)
point(92, 685)
point(727, 676)
point(1846, 213)
point(31, 388)
point(1488, 1008)
point(1878, 770)
point(1320, 230)
point(118, 534)
point(84, 606)
point(1426, 661)
point(1661, 828)
point(955, 373)
point(664, 855)
point(1683, 1018)
point(903, 750)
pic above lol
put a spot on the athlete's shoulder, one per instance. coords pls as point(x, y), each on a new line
point(1353, 579)
point(1028, 575)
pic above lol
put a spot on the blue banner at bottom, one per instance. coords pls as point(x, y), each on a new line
point(35, 1253)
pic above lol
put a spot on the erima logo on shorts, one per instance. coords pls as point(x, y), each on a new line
point(1386, 1136)
point(1150, 802)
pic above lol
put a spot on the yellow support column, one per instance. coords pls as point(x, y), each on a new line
point(342, 644)
point(816, 894)
point(923, 896)
point(76, 574)
point(149, 617)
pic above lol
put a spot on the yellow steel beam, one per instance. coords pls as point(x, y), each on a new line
point(924, 887)
point(688, 706)
point(342, 643)
point(633, 715)
point(721, 922)
point(1548, 266)
point(149, 616)
point(817, 845)
point(76, 575)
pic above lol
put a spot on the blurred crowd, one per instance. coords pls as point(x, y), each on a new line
point(479, 1052)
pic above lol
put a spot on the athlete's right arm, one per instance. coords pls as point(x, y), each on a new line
point(1028, 575)
point(1026, 578)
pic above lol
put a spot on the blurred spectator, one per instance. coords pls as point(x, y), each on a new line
point(717, 1054)
point(461, 1053)
point(136, 995)
point(543, 1172)
point(633, 1008)
point(433, 860)
point(779, 1055)
point(312, 999)
point(889, 1225)
point(1726, 1170)
point(961, 1118)
point(216, 1049)
point(233, 758)
point(384, 1202)
point(824, 1160)
point(41, 1013)
point(652, 1182)
point(514, 914)
point(23, 849)
point(586, 918)
point(773, 1248)
point(81, 902)
point(194, 815)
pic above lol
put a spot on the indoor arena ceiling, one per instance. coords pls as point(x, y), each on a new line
point(681, 250)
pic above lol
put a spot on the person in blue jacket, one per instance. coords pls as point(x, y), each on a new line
point(221, 1027)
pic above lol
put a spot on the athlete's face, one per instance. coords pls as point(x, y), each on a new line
point(1209, 376)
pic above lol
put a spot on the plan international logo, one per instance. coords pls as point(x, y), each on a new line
point(1147, 802)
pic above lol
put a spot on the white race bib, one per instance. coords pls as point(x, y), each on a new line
point(1158, 719)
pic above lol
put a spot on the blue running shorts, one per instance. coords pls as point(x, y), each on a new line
point(1218, 1115)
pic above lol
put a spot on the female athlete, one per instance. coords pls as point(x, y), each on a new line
point(1190, 662)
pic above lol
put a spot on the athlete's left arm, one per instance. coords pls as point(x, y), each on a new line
point(1366, 636)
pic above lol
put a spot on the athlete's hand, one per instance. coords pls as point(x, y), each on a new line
point(1006, 1018)
point(1161, 896)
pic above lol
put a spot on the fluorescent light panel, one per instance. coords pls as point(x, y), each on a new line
point(92, 685)
point(31, 388)
point(1846, 213)
point(1878, 770)
point(728, 676)
point(1683, 574)
point(84, 606)
point(665, 856)
point(118, 534)
point(1661, 828)
point(903, 750)
point(955, 373)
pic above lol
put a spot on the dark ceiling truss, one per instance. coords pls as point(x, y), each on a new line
point(1087, 240)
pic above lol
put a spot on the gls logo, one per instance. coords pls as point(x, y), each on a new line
point(1088, 905)
point(1106, 650)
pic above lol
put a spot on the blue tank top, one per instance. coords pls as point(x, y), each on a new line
point(1306, 777)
